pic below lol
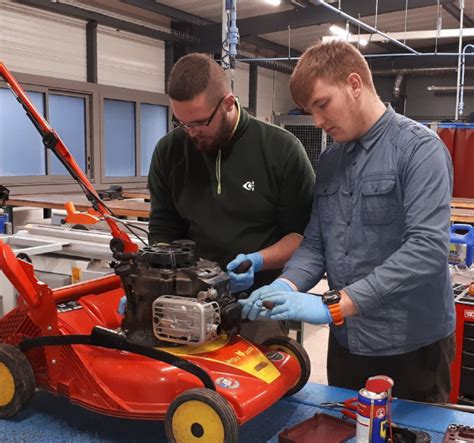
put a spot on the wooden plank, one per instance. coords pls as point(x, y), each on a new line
point(136, 193)
point(121, 208)
point(462, 215)
point(467, 203)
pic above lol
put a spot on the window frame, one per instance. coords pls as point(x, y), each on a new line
point(95, 148)
point(136, 97)
point(47, 178)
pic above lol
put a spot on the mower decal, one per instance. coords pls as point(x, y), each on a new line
point(252, 361)
point(246, 357)
point(227, 383)
point(274, 355)
point(212, 346)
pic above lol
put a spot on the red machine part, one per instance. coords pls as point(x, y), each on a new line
point(462, 368)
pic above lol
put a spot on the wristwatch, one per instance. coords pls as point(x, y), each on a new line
point(331, 299)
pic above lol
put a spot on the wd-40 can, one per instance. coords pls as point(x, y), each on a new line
point(371, 417)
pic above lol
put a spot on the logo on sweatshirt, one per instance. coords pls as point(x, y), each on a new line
point(249, 186)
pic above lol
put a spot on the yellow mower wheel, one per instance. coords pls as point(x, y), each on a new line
point(293, 348)
point(17, 381)
point(201, 415)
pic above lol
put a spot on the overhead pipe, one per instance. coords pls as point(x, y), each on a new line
point(386, 54)
point(363, 25)
point(397, 85)
point(448, 88)
point(416, 71)
point(461, 85)
point(460, 57)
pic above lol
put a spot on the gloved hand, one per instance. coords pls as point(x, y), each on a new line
point(122, 305)
point(248, 304)
point(241, 282)
point(296, 306)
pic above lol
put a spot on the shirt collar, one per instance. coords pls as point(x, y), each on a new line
point(368, 140)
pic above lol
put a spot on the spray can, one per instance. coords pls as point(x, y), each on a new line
point(372, 410)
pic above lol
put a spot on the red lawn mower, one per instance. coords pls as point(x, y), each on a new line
point(175, 355)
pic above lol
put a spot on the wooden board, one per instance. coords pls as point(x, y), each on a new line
point(467, 203)
point(462, 215)
point(121, 208)
point(136, 193)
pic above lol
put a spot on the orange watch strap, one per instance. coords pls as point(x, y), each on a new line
point(336, 314)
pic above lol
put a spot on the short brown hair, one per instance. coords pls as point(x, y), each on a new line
point(194, 74)
point(333, 62)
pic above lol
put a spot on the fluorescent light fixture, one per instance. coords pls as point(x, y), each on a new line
point(339, 32)
point(273, 2)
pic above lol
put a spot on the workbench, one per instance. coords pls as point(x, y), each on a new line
point(462, 215)
point(140, 193)
point(54, 419)
point(466, 203)
point(121, 208)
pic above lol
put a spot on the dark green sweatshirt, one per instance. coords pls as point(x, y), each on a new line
point(266, 191)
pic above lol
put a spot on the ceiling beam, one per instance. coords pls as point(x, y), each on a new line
point(80, 12)
point(208, 45)
point(455, 12)
point(168, 11)
point(314, 15)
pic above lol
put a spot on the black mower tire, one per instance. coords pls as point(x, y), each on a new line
point(17, 381)
point(293, 348)
point(201, 414)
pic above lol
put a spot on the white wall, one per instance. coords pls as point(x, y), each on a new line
point(283, 100)
point(42, 43)
point(265, 88)
point(130, 61)
point(241, 83)
point(273, 94)
point(38, 42)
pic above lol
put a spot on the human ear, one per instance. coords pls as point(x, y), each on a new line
point(229, 102)
point(355, 84)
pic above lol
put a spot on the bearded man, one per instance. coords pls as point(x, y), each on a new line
point(239, 187)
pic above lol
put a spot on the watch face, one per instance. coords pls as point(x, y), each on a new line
point(331, 297)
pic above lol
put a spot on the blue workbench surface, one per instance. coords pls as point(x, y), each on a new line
point(54, 419)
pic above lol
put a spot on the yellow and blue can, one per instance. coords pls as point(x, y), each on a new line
point(372, 410)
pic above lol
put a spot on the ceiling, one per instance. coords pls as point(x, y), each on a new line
point(277, 31)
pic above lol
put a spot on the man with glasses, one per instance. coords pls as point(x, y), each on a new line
point(240, 188)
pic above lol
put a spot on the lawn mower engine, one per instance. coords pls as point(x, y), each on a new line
point(174, 298)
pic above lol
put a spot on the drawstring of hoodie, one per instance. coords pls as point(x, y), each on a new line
point(218, 159)
point(218, 172)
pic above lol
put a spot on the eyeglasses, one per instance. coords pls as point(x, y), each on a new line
point(206, 122)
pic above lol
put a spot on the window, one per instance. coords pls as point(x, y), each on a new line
point(21, 148)
point(67, 115)
point(153, 126)
point(119, 134)
point(22, 153)
point(129, 144)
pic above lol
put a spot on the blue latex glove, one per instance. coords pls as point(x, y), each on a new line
point(295, 306)
point(122, 305)
point(241, 282)
point(248, 304)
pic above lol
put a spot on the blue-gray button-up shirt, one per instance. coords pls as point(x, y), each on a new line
point(380, 229)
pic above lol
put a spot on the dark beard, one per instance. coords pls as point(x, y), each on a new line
point(217, 142)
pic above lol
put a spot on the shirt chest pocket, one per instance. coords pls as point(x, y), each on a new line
point(327, 200)
point(379, 201)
